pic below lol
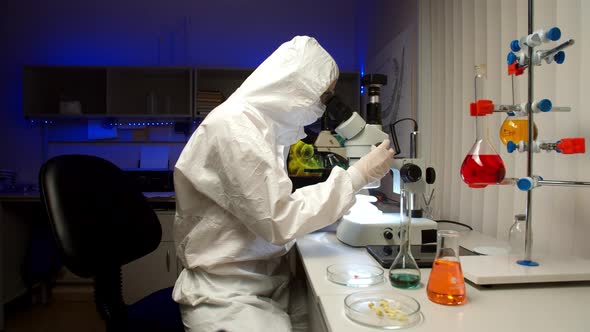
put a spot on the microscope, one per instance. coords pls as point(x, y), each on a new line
point(409, 174)
point(360, 135)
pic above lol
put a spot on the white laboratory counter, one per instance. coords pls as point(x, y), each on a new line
point(532, 307)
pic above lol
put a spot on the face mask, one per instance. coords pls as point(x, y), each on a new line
point(310, 114)
point(305, 116)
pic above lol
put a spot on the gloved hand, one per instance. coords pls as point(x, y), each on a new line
point(371, 167)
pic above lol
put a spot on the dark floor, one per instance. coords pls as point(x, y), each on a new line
point(68, 309)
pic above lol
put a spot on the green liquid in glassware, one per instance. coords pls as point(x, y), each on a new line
point(404, 280)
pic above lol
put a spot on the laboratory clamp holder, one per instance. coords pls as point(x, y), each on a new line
point(483, 166)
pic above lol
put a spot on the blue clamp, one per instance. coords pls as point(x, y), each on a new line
point(554, 34)
point(544, 105)
point(559, 57)
point(515, 46)
point(511, 146)
point(524, 184)
point(510, 113)
point(511, 58)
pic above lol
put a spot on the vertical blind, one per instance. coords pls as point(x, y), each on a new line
point(454, 36)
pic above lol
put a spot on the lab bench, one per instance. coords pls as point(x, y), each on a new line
point(528, 307)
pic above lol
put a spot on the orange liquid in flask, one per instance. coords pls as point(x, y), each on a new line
point(480, 170)
point(516, 130)
point(446, 284)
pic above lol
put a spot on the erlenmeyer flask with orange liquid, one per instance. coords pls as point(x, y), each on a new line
point(446, 284)
point(516, 129)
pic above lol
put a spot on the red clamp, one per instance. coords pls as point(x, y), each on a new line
point(571, 145)
point(481, 107)
point(514, 69)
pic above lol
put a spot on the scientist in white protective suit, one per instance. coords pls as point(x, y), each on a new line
point(236, 216)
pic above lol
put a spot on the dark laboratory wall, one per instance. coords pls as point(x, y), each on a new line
point(382, 22)
point(220, 33)
point(385, 19)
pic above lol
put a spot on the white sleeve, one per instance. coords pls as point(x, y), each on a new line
point(358, 181)
point(242, 174)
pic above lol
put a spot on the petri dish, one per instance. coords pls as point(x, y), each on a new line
point(355, 275)
point(383, 309)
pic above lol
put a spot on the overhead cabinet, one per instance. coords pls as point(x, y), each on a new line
point(67, 91)
point(142, 92)
point(149, 91)
point(121, 92)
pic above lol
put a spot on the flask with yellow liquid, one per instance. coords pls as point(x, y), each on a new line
point(516, 129)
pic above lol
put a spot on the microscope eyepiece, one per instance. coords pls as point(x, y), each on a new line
point(337, 111)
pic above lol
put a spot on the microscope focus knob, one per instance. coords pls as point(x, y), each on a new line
point(410, 173)
point(430, 175)
point(388, 233)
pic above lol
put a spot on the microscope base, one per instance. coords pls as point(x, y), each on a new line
point(361, 231)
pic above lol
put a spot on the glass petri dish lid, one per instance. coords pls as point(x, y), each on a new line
point(383, 309)
point(355, 275)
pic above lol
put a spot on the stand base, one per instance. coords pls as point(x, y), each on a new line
point(493, 270)
point(525, 262)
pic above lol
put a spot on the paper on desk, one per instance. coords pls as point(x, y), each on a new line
point(154, 156)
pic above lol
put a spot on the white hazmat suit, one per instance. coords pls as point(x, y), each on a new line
point(236, 216)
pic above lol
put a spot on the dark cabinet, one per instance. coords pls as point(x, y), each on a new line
point(140, 92)
point(122, 92)
point(68, 91)
point(150, 91)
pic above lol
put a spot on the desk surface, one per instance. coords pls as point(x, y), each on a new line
point(536, 307)
point(33, 196)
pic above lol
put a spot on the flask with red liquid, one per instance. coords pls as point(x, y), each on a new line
point(446, 284)
point(482, 166)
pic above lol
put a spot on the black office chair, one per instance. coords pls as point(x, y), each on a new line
point(101, 222)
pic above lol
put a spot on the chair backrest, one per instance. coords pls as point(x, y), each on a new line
point(100, 219)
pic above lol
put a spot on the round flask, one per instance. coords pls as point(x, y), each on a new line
point(516, 129)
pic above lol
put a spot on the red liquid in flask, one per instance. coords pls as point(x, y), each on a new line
point(479, 170)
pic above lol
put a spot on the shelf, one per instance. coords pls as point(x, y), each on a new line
point(223, 80)
point(162, 92)
point(72, 93)
point(94, 92)
point(64, 91)
point(227, 81)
